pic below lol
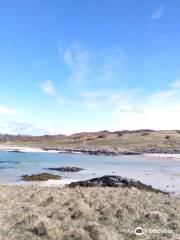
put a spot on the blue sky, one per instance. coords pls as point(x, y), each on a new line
point(69, 66)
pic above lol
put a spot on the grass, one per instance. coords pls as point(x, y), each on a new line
point(158, 138)
point(35, 213)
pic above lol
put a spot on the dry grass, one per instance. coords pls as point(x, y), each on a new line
point(125, 140)
point(34, 213)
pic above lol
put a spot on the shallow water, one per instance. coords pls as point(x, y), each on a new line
point(160, 173)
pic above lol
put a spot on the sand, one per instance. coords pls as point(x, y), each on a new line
point(24, 149)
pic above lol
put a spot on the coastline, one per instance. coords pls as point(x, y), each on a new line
point(97, 151)
point(15, 148)
point(162, 156)
point(28, 211)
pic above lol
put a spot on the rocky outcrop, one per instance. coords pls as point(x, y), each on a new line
point(40, 177)
point(114, 181)
point(67, 169)
point(100, 151)
point(157, 150)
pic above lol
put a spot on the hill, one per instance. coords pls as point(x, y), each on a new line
point(145, 138)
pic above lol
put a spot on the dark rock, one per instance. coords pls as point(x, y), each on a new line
point(16, 151)
point(101, 151)
point(157, 150)
point(115, 181)
point(67, 169)
point(40, 177)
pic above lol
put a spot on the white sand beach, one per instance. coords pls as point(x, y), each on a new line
point(24, 149)
point(162, 155)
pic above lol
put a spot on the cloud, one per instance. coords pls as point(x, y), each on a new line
point(155, 117)
point(113, 110)
point(110, 100)
point(176, 84)
point(158, 13)
point(77, 60)
point(134, 110)
point(113, 62)
point(25, 128)
point(7, 111)
point(125, 107)
point(93, 105)
point(61, 100)
point(68, 57)
point(92, 67)
point(48, 88)
point(158, 110)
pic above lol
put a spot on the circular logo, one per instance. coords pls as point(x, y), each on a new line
point(139, 231)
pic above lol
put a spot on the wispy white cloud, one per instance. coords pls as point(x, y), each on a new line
point(91, 67)
point(61, 100)
point(112, 100)
point(133, 110)
point(125, 109)
point(114, 110)
point(26, 128)
point(158, 110)
point(7, 111)
point(48, 88)
point(176, 84)
point(112, 64)
point(158, 12)
point(77, 60)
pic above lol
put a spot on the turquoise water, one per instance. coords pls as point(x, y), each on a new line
point(163, 174)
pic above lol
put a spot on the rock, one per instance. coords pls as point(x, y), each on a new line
point(40, 177)
point(157, 149)
point(115, 181)
point(109, 151)
point(16, 151)
point(67, 169)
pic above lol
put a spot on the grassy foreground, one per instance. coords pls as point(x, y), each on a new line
point(85, 213)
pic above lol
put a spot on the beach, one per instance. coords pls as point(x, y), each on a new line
point(89, 120)
point(51, 210)
point(160, 172)
point(11, 148)
point(25, 149)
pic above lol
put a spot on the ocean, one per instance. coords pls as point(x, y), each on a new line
point(160, 173)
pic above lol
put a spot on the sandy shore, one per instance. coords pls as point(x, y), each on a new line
point(86, 214)
point(24, 149)
point(49, 183)
point(13, 148)
point(162, 156)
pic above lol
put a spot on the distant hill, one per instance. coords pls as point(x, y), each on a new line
point(75, 136)
point(124, 139)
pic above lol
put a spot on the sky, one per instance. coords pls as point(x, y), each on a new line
point(71, 66)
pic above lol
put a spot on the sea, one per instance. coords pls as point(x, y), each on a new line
point(161, 173)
